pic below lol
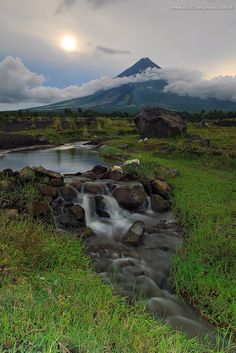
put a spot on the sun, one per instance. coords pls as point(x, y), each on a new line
point(69, 43)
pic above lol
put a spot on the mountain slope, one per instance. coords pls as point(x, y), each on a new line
point(139, 67)
point(134, 96)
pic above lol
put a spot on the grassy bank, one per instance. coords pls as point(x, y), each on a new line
point(52, 301)
point(204, 197)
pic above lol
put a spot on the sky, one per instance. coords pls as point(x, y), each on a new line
point(194, 43)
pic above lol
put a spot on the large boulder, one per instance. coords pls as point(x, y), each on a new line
point(159, 123)
point(159, 204)
point(161, 188)
point(94, 188)
point(130, 197)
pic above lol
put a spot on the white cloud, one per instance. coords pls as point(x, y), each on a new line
point(18, 85)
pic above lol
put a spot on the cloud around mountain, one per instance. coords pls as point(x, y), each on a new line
point(20, 85)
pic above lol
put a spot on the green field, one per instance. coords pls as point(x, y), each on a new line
point(51, 299)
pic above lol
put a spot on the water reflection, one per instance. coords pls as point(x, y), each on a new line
point(69, 158)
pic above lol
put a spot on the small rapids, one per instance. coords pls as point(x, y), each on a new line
point(140, 273)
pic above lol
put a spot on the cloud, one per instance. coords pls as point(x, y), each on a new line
point(19, 85)
point(67, 4)
point(64, 5)
point(111, 51)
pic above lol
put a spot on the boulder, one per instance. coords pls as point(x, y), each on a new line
point(49, 191)
point(94, 188)
point(99, 170)
point(57, 182)
point(161, 188)
point(67, 193)
point(78, 212)
point(115, 173)
point(100, 207)
point(130, 197)
point(36, 209)
point(135, 233)
point(27, 174)
point(90, 175)
point(159, 204)
point(42, 171)
point(77, 184)
point(160, 123)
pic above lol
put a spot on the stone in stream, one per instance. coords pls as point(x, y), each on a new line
point(134, 234)
point(68, 193)
point(115, 173)
point(27, 174)
point(99, 170)
point(94, 188)
point(161, 188)
point(78, 212)
point(159, 204)
point(100, 207)
point(77, 184)
point(89, 175)
point(130, 197)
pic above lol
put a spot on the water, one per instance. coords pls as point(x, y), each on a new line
point(70, 158)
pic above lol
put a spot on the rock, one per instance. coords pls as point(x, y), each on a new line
point(36, 209)
point(173, 172)
point(87, 233)
point(159, 204)
point(48, 191)
point(5, 185)
point(132, 162)
point(78, 212)
point(27, 174)
point(77, 184)
point(11, 213)
point(91, 175)
point(99, 170)
point(135, 233)
point(7, 172)
point(161, 173)
point(42, 171)
point(68, 193)
point(130, 197)
point(100, 207)
point(161, 188)
point(160, 123)
point(57, 182)
point(115, 173)
point(94, 188)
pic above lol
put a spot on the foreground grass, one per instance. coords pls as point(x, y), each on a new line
point(204, 198)
point(52, 301)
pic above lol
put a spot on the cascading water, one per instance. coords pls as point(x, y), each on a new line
point(140, 272)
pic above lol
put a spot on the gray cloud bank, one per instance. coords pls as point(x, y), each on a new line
point(111, 51)
point(67, 4)
point(19, 85)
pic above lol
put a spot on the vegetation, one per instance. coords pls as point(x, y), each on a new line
point(51, 300)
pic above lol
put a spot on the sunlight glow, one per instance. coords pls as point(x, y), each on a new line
point(69, 43)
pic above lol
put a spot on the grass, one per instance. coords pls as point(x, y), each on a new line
point(52, 301)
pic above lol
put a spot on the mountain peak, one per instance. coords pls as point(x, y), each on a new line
point(140, 66)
